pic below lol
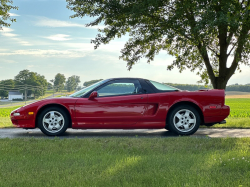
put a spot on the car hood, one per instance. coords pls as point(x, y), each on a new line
point(59, 100)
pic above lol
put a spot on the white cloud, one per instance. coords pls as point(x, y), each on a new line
point(9, 61)
point(30, 66)
point(6, 29)
point(12, 14)
point(23, 42)
point(8, 33)
point(47, 53)
point(47, 22)
point(59, 37)
point(114, 46)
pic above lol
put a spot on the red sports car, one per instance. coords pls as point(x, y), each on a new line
point(125, 103)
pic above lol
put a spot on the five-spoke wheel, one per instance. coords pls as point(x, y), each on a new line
point(53, 121)
point(183, 120)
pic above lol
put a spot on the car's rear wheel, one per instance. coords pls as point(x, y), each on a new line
point(53, 121)
point(184, 120)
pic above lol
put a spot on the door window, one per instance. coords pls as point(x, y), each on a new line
point(120, 87)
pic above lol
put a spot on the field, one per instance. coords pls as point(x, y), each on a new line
point(240, 107)
point(5, 112)
point(235, 94)
point(4, 116)
point(239, 114)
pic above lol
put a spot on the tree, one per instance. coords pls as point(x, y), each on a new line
point(6, 86)
point(50, 86)
point(59, 81)
point(72, 83)
point(31, 82)
point(201, 34)
point(88, 83)
point(5, 7)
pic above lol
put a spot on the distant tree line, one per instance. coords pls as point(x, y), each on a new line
point(189, 87)
point(26, 82)
point(241, 88)
point(88, 83)
point(31, 83)
point(193, 87)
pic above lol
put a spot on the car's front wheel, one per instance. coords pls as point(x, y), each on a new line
point(53, 121)
point(184, 120)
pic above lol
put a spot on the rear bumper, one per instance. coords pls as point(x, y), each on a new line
point(225, 110)
point(223, 113)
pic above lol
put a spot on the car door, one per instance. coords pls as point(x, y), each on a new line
point(120, 104)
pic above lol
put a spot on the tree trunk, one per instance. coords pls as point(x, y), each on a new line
point(220, 83)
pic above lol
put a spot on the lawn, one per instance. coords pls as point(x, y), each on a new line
point(239, 114)
point(182, 161)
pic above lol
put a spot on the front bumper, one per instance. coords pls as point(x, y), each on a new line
point(22, 120)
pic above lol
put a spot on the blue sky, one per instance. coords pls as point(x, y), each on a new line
point(45, 40)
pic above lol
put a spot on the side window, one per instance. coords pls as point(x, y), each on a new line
point(120, 87)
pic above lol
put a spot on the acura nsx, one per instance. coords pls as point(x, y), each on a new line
point(125, 103)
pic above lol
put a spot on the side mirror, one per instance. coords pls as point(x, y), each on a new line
point(93, 95)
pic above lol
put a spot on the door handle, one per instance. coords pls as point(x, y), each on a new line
point(141, 97)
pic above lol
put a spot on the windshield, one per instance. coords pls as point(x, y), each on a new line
point(86, 89)
point(163, 87)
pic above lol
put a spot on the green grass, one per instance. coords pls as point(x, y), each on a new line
point(5, 116)
point(5, 112)
point(239, 107)
point(5, 122)
point(181, 161)
point(242, 123)
point(9, 103)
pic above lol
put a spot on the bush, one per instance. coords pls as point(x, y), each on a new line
point(17, 99)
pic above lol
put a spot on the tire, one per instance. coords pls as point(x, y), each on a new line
point(167, 128)
point(184, 120)
point(209, 124)
point(53, 121)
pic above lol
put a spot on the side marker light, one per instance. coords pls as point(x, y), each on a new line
point(212, 107)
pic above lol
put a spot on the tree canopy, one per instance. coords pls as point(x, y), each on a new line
point(5, 7)
point(59, 81)
point(88, 83)
point(200, 34)
point(72, 83)
point(32, 82)
point(6, 86)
